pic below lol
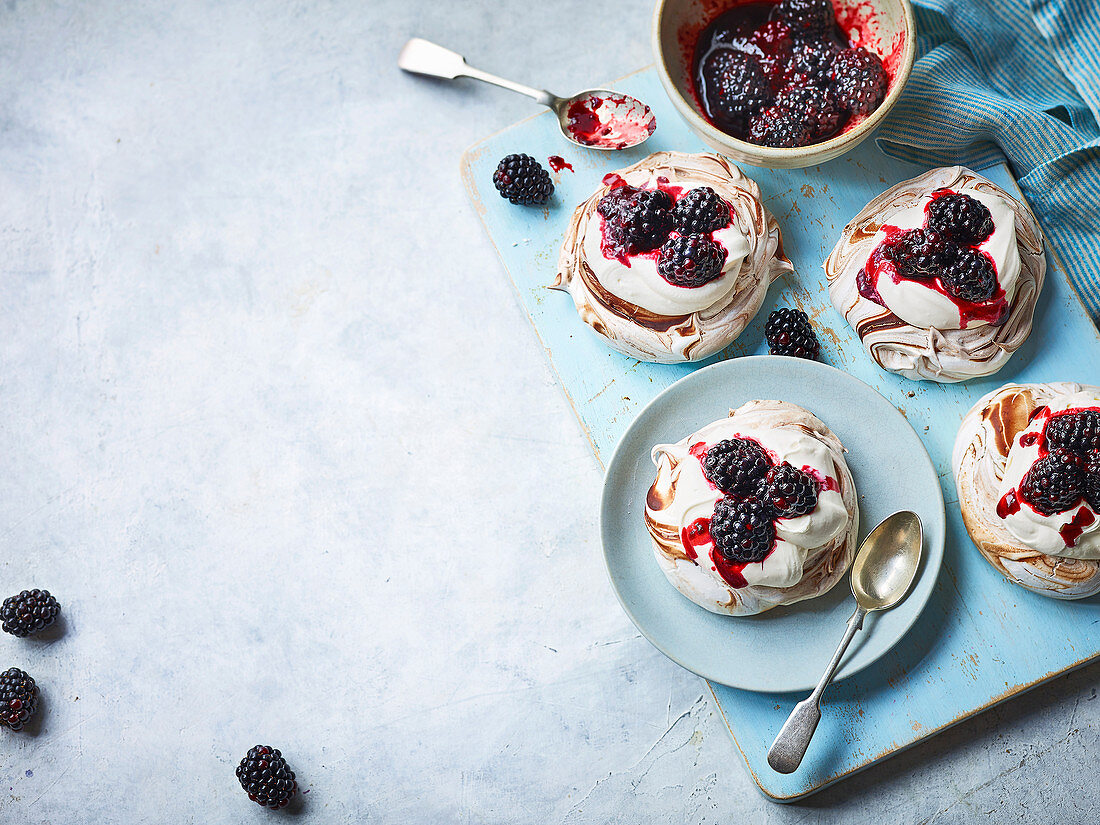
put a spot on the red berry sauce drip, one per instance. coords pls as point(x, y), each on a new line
point(613, 180)
point(730, 571)
point(1072, 531)
point(1030, 439)
point(1008, 505)
point(824, 482)
point(594, 123)
point(695, 536)
point(557, 163)
point(1035, 413)
point(994, 311)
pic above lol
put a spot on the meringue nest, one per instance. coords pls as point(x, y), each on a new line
point(934, 354)
point(980, 455)
point(645, 335)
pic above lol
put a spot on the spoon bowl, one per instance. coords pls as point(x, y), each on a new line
point(604, 119)
point(887, 562)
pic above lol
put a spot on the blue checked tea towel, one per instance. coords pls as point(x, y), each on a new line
point(1017, 79)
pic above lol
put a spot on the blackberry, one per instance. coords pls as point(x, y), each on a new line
point(522, 180)
point(788, 491)
point(742, 529)
point(788, 332)
point(266, 778)
point(775, 44)
point(1092, 479)
point(819, 108)
point(639, 220)
point(774, 38)
point(810, 61)
point(807, 18)
point(918, 253)
point(611, 204)
point(736, 466)
point(970, 275)
point(859, 80)
point(700, 212)
point(960, 217)
point(1078, 432)
point(18, 698)
point(779, 127)
point(28, 612)
point(740, 89)
point(690, 260)
point(1054, 483)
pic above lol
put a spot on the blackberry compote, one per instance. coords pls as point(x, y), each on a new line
point(784, 74)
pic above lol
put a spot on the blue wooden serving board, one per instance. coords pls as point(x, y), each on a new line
point(976, 642)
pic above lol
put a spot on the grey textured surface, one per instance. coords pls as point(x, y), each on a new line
point(276, 433)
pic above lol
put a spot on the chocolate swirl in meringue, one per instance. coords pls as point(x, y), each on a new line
point(811, 551)
point(989, 433)
point(671, 330)
point(932, 353)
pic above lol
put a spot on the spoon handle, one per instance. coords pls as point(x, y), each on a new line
point(794, 737)
point(423, 57)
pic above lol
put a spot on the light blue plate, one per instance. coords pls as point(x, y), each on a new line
point(784, 649)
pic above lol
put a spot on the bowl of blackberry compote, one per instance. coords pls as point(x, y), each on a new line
point(783, 83)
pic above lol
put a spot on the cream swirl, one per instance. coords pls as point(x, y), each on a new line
point(935, 353)
point(810, 551)
point(634, 309)
point(918, 302)
point(1033, 529)
point(638, 281)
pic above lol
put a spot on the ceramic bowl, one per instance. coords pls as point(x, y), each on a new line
point(883, 26)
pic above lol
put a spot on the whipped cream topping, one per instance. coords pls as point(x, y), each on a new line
point(920, 302)
point(694, 497)
point(1049, 534)
point(638, 280)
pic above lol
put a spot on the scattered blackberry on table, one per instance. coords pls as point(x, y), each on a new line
point(788, 491)
point(1092, 479)
point(970, 275)
point(859, 80)
point(779, 127)
point(1078, 432)
point(736, 466)
point(740, 89)
point(523, 180)
point(18, 698)
point(820, 112)
point(690, 260)
point(918, 253)
point(638, 221)
point(742, 529)
point(788, 332)
point(961, 218)
point(28, 612)
point(266, 778)
point(807, 18)
point(700, 211)
point(1054, 483)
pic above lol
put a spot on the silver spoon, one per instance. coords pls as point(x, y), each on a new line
point(881, 574)
point(595, 118)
